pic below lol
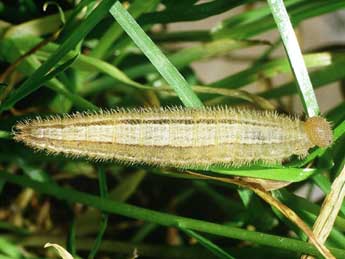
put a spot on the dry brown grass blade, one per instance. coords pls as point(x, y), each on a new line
point(31, 51)
point(64, 254)
point(241, 94)
point(286, 211)
point(19, 60)
point(329, 210)
point(255, 99)
point(268, 185)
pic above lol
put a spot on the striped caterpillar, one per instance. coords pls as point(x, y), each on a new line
point(178, 137)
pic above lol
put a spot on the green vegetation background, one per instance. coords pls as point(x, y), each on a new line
point(98, 55)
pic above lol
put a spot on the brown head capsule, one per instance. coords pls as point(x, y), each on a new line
point(319, 131)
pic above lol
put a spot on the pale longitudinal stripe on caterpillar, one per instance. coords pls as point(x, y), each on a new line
point(179, 137)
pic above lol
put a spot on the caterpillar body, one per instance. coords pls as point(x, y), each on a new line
point(178, 137)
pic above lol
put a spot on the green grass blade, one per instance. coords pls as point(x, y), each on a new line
point(253, 15)
point(298, 203)
point(82, 63)
point(186, 56)
point(127, 187)
point(319, 78)
point(72, 20)
point(33, 82)
point(61, 68)
point(8, 248)
point(276, 67)
point(102, 180)
point(294, 53)
point(278, 174)
point(181, 12)
point(261, 22)
point(11, 51)
point(208, 244)
point(155, 55)
point(5, 134)
point(71, 237)
point(136, 8)
point(38, 27)
point(163, 218)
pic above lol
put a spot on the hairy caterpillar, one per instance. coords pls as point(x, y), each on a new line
point(178, 137)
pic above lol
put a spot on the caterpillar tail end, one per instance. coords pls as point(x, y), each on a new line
point(20, 131)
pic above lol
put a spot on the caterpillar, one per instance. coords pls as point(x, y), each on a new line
point(177, 137)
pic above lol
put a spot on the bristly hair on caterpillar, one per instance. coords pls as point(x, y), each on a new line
point(177, 137)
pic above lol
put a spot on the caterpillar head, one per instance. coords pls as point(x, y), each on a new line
point(319, 131)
